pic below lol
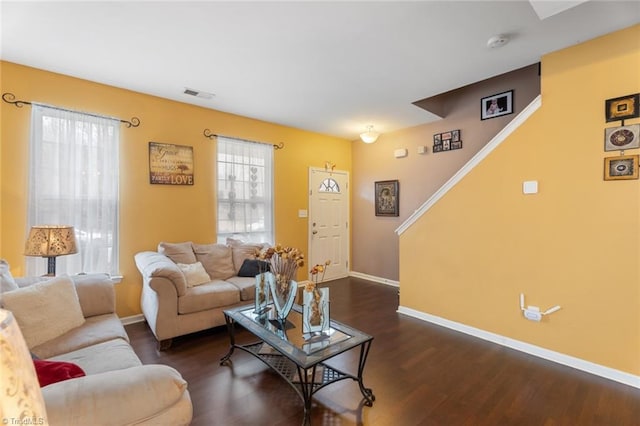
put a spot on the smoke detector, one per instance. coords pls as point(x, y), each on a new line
point(198, 93)
point(497, 41)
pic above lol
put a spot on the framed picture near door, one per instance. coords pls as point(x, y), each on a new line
point(387, 198)
point(496, 105)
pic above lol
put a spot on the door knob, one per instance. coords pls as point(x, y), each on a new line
point(314, 232)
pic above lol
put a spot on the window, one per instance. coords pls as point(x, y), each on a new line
point(245, 188)
point(73, 180)
point(329, 185)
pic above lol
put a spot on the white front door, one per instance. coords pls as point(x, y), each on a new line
point(329, 221)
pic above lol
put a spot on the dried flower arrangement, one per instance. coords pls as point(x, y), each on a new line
point(315, 272)
point(284, 263)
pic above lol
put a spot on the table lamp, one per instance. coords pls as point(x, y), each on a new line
point(51, 241)
point(20, 395)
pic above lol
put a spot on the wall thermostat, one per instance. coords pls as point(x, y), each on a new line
point(401, 152)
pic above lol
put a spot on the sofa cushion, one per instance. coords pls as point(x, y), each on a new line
point(208, 296)
point(123, 397)
point(45, 310)
point(96, 329)
point(111, 355)
point(216, 259)
point(242, 251)
point(50, 372)
point(27, 281)
point(253, 267)
point(7, 283)
point(247, 287)
point(96, 294)
point(178, 252)
point(194, 273)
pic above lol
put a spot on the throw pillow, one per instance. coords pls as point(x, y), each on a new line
point(55, 371)
point(7, 283)
point(216, 259)
point(252, 267)
point(45, 310)
point(194, 273)
point(242, 251)
point(178, 252)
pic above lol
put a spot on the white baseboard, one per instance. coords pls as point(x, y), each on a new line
point(577, 363)
point(374, 279)
point(132, 319)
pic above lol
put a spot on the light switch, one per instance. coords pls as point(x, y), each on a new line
point(302, 213)
point(530, 187)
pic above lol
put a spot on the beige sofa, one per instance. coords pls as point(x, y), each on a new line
point(173, 305)
point(117, 388)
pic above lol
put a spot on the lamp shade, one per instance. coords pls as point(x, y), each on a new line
point(51, 241)
point(20, 395)
point(370, 136)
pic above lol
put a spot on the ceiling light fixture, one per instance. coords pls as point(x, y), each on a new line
point(370, 136)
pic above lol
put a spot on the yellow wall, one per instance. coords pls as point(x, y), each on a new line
point(153, 213)
point(576, 243)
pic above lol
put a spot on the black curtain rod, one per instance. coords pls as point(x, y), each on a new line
point(207, 133)
point(10, 99)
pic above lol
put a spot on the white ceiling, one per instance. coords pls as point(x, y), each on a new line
point(327, 67)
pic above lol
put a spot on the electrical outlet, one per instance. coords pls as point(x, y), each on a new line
point(532, 314)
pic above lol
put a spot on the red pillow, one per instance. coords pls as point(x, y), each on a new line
point(56, 371)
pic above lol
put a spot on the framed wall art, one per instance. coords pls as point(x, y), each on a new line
point(447, 141)
point(623, 137)
point(387, 199)
point(622, 108)
point(496, 105)
point(170, 164)
point(621, 168)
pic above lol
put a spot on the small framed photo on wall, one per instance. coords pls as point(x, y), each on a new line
point(447, 141)
point(387, 199)
point(623, 167)
point(496, 105)
point(622, 108)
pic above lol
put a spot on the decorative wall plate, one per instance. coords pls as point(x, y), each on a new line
point(623, 137)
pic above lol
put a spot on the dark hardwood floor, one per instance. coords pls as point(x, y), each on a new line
point(421, 374)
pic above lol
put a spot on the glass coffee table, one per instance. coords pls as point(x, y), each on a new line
point(299, 358)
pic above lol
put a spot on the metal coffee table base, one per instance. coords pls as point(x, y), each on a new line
point(304, 381)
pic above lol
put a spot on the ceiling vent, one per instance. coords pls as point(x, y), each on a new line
point(197, 93)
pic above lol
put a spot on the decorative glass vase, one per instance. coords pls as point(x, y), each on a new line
point(283, 294)
point(315, 311)
point(263, 294)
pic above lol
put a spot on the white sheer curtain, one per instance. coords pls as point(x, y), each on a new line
point(73, 180)
point(245, 190)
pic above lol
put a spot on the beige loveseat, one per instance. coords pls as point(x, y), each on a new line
point(174, 304)
point(117, 388)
